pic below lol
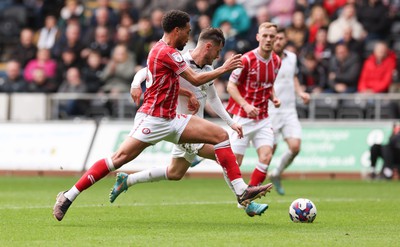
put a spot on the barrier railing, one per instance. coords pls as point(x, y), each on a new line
point(321, 106)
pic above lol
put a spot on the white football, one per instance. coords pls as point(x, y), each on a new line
point(302, 210)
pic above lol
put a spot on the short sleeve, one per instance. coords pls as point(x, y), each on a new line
point(175, 61)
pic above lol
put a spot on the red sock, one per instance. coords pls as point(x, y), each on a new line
point(94, 174)
point(257, 177)
point(227, 160)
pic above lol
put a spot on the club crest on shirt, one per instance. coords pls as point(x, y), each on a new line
point(146, 131)
point(177, 57)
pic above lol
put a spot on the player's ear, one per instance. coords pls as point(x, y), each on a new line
point(258, 37)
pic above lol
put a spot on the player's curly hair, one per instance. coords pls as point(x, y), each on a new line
point(173, 19)
point(213, 34)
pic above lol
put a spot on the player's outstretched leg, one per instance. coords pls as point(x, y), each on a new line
point(253, 192)
point(276, 180)
point(255, 209)
point(61, 206)
point(119, 186)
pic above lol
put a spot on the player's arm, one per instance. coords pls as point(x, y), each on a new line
point(274, 99)
point(233, 91)
point(300, 92)
point(136, 89)
point(219, 109)
point(193, 103)
point(198, 79)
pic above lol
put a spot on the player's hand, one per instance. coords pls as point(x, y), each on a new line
point(251, 110)
point(193, 104)
point(276, 102)
point(136, 93)
point(233, 62)
point(238, 128)
point(305, 97)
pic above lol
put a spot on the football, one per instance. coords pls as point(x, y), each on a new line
point(302, 210)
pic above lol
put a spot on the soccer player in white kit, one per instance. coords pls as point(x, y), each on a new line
point(285, 121)
point(251, 88)
point(157, 120)
point(200, 60)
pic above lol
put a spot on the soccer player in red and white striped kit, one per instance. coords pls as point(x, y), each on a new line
point(251, 88)
point(157, 120)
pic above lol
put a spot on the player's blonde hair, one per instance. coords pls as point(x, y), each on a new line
point(267, 25)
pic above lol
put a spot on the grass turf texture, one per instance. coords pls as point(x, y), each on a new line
point(197, 212)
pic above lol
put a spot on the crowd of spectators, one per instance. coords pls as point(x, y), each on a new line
point(49, 46)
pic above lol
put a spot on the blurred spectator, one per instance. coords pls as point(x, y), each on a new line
point(156, 17)
point(374, 16)
point(124, 37)
point(347, 18)
point(46, 36)
point(203, 21)
point(41, 83)
point(377, 72)
point(68, 60)
point(199, 8)
point(127, 21)
point(111, 16)
point(281, 11)
point(72, 84)
point(102, 43)
point(102, 20)
point(13, 82)
point(43, 60)
point(253, 6)
point(318, 18)
point(26, 49)
point(233, 13)
point(332, 7)
point(344, 69)
point(297, 32)
point(262, 15)
point(119, 71)
point(72, 9)
point(71, 40)
point(357, 46)
point(321, 48)
point(389, 153)
point(312, 75)
point(127, 7)
point(91, 72)
point(142, 39)
point(230, 38)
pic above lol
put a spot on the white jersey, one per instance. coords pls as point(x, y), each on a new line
point(200, 91)
point(284, 84)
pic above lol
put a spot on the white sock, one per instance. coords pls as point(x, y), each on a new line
point(262, 167)
point(150, 175)
point(72, 193)
point(286, 160)
point(239, 186)
point(228, 182)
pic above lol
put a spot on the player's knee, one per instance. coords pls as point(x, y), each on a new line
point(295, 150)
point(265, 158)
point(222, 136)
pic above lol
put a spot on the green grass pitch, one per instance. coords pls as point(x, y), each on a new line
point(197, 212)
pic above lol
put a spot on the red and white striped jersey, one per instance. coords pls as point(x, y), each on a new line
point(255, 82)
point(164, 64)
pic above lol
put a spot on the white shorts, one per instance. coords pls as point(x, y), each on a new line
point(150, 129)
point(187, 151)
point(259, 132)
point(286, 124)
